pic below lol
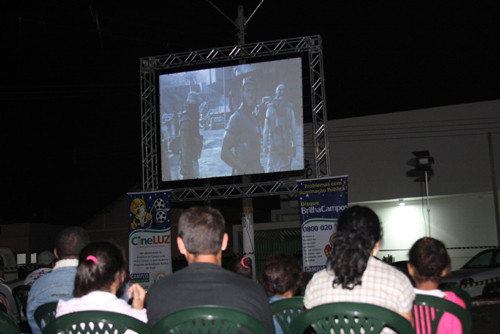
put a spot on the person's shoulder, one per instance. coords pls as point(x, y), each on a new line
point(320, 278)
point(241, 285)
point(5, 285)
point(400, 281)
point(452, 297)
point(40, 281)
point(235, 117)
point(236, 279)
point(38, 272)
point(322, 273)
point(60, 274)
point(235, 121)
point(165, 281)
point(387, 269)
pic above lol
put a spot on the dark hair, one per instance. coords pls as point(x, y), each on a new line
point(242, 266)
point(429, 258)
point(202, 229)
point(358, 230)
point(281, 273)
point(70, 241)
point(100, 263)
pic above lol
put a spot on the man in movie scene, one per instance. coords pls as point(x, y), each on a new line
point(241, 144)
point(191, 140)
point(202, 239)
point(278, 137)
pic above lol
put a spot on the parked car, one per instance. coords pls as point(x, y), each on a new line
point(480, 276)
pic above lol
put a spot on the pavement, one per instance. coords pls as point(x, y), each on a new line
point(485, 316)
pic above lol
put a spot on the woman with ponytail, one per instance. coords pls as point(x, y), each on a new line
point(100, 282)
point(354, 274)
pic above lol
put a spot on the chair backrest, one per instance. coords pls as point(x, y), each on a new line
point(428, 311)
point(461, 293)
point(8, 325)
point(45, 313)
point(3, 307)
point(95, 322)
point(285, 310)
point(8, 300)
point(20, 294)
point(4, 303)
point(208, 319)
point(346, 317)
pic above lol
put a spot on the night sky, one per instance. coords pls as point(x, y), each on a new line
point(70, 89)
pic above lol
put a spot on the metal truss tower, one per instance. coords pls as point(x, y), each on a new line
point(149, 68)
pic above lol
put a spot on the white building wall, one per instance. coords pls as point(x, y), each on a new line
point(465, 223)
point(374, 152)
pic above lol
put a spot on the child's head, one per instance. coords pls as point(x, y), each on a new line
point(100, 265)
point(428, 260)
point(282, 274)
point(242, 266)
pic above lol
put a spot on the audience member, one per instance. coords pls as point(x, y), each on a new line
point(59, 283)
point(428, 262)
point(100, 283)
point(7, 301)
point(46, 260)
point(201, 239)
point(353, 274)
point(242, 266)
point(281, 278)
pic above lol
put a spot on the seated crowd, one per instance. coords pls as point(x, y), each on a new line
point(93, 275)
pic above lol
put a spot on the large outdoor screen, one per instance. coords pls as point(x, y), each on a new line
point(233, 120)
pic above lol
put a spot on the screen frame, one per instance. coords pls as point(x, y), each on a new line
point(317, 156)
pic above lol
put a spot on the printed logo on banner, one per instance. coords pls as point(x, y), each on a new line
point(140, 277)
point(149, 236)
point(321, 202)
point(148, 211)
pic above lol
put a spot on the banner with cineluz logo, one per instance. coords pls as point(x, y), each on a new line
point(320, 201)
point(149, 236)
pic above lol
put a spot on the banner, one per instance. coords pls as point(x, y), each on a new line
point(321, 201)
point(149, 236)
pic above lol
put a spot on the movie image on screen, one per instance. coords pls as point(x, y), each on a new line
point(233, 120)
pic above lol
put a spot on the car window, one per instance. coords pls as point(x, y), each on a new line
point(483, 260)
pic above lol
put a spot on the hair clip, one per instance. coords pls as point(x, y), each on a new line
point(92, 258)
point(243, 262)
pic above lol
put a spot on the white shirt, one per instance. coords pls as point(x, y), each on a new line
point(99, 301)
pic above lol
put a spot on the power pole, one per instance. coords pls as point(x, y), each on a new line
point(247, 205)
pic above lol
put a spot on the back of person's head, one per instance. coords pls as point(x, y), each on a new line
point(358, 231)
point(429, 258)
point(70, 241)
point(46, 259)
point(100, 264)
point(281, 273)
point(202, 230)
point(242, 266)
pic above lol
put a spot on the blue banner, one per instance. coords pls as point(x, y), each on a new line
point(149, 236)
point(321, 201)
